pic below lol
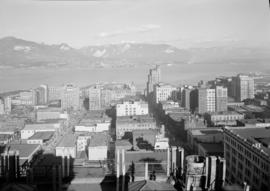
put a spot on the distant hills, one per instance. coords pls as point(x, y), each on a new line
point(18, 53)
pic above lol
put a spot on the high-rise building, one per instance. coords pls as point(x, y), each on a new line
point(242, 87)
point(42, 95)
point(203, 173)
point(185, 98)
point(247, 154)
point(206, 100)
point(54, 93)
point(221, 98)
point(70, 97)
point(153, 79)
point(7, 103)
point(163, 92)
point(94, 98)
point(2, 107)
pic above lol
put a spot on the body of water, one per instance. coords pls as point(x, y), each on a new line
point(14, 79)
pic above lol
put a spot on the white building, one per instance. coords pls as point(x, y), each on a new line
point(162, 143)
point(50, 113)
point(70, 97)
point(128, 108)
point(92, 127)
point(163, 92)
point(98, 147)
point(30, 129)
point(206, 100)
point(2, 107)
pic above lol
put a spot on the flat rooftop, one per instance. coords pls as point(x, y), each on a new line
point(206, 131)
point(67, 141)
point(135, 119)
point(49, 109)
point(25, 150)
point(99, 139)
point(256, 135)
point(36, 126)
point(42, 135)
point(122, 143)
point(213, 148)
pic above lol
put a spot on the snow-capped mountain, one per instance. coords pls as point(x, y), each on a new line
point(16, 53)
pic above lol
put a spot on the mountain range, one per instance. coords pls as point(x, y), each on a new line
point(18, 53)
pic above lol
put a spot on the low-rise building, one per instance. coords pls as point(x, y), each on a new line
point(210, 149)
point(204, 135)
point(98, 147)
point(144, 139)
point(40, 138)
point(26, 152)
point(50, 113)
point(128, 108)
point(30, 129)
point(228, 118)
point(94, 121)
point(131, 123)
point(83, 142)
point(67, 147)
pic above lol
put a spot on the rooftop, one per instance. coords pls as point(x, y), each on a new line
point(135, 119)
point(213, 148)
point(99, 139)
point(206, 131)
point(254, 135)
point(122, 142)
point(42, 135)
point(25, 150)
point(36, 126)
point(49, 109)
point(68, 141)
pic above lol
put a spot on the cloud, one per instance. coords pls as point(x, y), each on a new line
point(139, 29)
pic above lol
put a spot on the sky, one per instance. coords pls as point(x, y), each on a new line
point(182, 23)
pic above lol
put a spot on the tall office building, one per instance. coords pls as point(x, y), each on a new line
point(153, 78)
point(221, 98)
point(70, 97)
point(163, 92)
point(41, 94)
point(7, 103)
point(206, 100)
point(185, 98)
point(94, 98)
point(242, 87)
point(2, 107)
point(247, 154)
point(54, 93)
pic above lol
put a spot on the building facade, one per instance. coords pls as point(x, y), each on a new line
point(242, 87)
point(163, 92)
point(128, 108)
point(206, 100)
point(247, 154)
point(221, 98)
point(70, 97)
